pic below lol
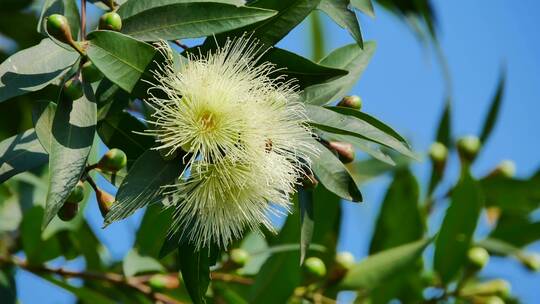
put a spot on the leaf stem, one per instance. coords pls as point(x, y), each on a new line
point(83, 20)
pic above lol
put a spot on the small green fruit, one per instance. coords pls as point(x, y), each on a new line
point(58, 27)
point(105, 201)
point(113, 160)
point(239, 257)
point(73, 89)
point(77, 194)
point(90, 72)
point(532, 262)
point(345, 260)
point(314, 267)
point(506, 168)
point(468, 147)
point(354, 102)
point(110, 21)
point(68, 211)
point(344, 150)
point(477, 257)
point(438, 152)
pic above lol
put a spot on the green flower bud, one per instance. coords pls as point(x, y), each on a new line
point(506, 168)
point(77, 194)
point(344, 150)
point(159, 282)
point(353, 102)
point(498, 287)
point(477, 258)
point(438, 152)
point(73, 89)
point(68, 211)
point(112, 161)
point(90, 72)
point(345, 260)
point(110, 21)
point(314, 267)
point(468, 147)
point(532, 262)
point(58, 27)
point(105, 201)
point(239, 257)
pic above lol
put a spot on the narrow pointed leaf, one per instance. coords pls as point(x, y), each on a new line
point(43, 117)
point(20, 153)
point(305, 198)
point(345, 17)
point(444, 130)
point(365, 6)
point(195, 269)
point(493, 114)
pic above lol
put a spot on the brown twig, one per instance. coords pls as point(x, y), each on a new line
point(180, 44)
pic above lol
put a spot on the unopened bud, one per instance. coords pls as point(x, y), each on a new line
point(68, 211)
point(506, 168)
point(438, 152)
point(58, 27)
point(110, 21)
point(105, 201)
point(239, 257)
point(344, 150)
point(345, 260)
point(90, 72)
point(353, 102)
point(310, 182)
point(468, 147)
point(498, 287)
point(532, 262)
point(314, 267)
point(77, 194)
point(477, 258)
point(113, 161)
point(73, 89)
point(160, 282)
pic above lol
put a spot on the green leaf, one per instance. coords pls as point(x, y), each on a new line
point(144, 184)
point(351, 58)
point(305, 71)
point(132, 8)
point(20, 153)
point(280, 274)
point(190, 20)
point(43, 117)
point(401, 202)
point(365, 6)
point(334, 176)
point(358, 125)
point(135, 263)
point(122, 59)
point(305, 198)
point(84, 294)
point(493, 113)
point(518, 230)
point(73, 131)
point(34, 68)
point(376, 269)
point(8, 289)
point(458, 227)
point(345, 17)
point(67, 8)
point(327, 217)
point(36, 248)
point(365, 170)
point(518, 196)
point(195, 269)
point(444, 130)
point(153, 230)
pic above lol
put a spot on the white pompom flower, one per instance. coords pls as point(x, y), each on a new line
point(246, 136)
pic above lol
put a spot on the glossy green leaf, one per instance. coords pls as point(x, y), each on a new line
point(327, 219)
point(444, 130)
point(34, 68)
point(195, 269)
point(355, 125)
point(43, 117)
point(518, 230)
point(305, 71)
point(493, 114)
point(400, 202)
point(351, 58)
point(122, 59)
point(73, 131)
point(153, 230)
point(67, 8)
point(305, 198)
point(365, 170)
point(365, 6)
point(334, 176)
point(345, 17)
point(376, 269)
point(144, 184)
point(190, 20)
point(512, 195)
point(132, 8)
point(20, 153)
point(458, 227)
point(36, 248)
point(134, 263)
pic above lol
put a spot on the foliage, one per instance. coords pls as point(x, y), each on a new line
point(49, 143)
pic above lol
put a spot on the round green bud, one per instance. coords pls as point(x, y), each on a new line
point(438, 152)
point(506, 168)
point(58, 27)
point(110, 21)
point(477, 257)
point(532, 262)
point(354, 102)
point(68, 211)
point(77, 194)
point(468, 147)
point(73, 89)
point(344, 150)
point(90, 72)
point(113, 160)
point(314, 267)
point(494, 300)
point(498, 287)
point(345, 259)
point(239, 256)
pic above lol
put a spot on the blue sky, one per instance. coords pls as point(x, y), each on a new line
point(403, 86)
